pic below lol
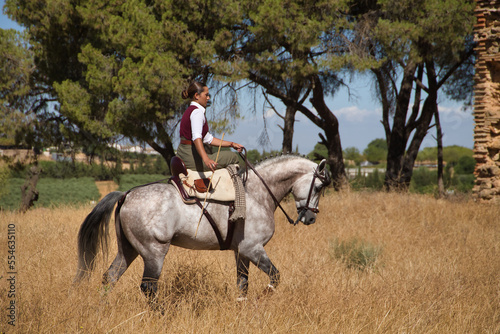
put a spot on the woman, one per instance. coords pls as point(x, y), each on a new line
point(194, 134)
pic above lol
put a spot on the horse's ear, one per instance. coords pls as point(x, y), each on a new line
point(322, 166)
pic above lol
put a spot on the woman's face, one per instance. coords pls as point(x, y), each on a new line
point(203, 97)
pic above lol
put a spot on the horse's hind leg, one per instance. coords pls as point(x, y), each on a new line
point(153, 263)
point(125, 256)
point(242, 264)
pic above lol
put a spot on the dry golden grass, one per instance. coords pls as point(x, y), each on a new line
point(105, 187)
point(438, 273)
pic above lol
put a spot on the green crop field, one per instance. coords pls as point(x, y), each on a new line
point(129, 181)
point(52, 192)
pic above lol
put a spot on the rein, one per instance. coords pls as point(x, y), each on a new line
point(303, 209)
point(290, 220)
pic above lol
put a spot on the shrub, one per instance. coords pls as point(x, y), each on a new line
point(465, 165)
point(463, 183)
point(423, 181)
point(373, 180)
point(355, 253)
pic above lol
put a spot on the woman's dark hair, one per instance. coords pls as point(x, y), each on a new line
point(193, 88)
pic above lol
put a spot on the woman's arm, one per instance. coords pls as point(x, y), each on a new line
point(225, 143)
point(198, 143)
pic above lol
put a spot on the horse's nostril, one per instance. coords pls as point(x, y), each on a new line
point(311, 221)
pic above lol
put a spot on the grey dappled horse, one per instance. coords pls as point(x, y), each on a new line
point(153, 217)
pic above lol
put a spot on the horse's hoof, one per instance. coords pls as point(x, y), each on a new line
point(241, 299)
point(269, 290)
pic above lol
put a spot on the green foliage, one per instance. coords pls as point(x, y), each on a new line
point(376, 150)
point(52, 192)
point(352, 153)
point(424, 181)
point(319, 152)
point(463, 183)
point(465, 165)
point(119, 68)
point(68, 169)
point(451, 154)
point(375, 180)
point(129, 181)
point(143, 164)
point(364, 180)
point(355, 253)
point(16, 65)
point(11, 198)
point(4, 180)
point(253, 156)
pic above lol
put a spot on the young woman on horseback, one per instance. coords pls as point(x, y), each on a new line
point(196, 138)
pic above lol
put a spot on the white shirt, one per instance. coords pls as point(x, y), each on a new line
point(197, 119)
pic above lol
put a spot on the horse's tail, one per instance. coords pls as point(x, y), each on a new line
point(94, 232)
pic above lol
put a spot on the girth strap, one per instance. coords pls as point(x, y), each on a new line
point(223, 244)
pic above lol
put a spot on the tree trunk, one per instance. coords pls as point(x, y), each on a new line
point(398, 138)
point(439, 139)
point(330, 125)
point(167, 152)
point(422, 127)
point(29, 193)
point(288, 129)
point(418, 137)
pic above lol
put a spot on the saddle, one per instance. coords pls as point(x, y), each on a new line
point(193, 184)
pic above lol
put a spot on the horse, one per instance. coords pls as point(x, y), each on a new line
point(151, 218)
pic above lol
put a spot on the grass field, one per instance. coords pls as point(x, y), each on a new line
point(72, 191)
point(437, 271)
point(52, 192)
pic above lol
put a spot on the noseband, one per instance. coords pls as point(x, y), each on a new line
point(302, 210)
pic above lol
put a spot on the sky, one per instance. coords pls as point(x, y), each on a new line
point(359, 123)
point(359, 115)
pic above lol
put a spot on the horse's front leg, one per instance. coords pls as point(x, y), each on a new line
point(261, 260)
point(242, 264)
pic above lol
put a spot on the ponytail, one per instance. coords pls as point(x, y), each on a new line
point(193, 88)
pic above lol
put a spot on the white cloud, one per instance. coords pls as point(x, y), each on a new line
point(355, 114)
point(269, 113)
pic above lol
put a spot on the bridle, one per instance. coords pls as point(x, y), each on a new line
point(322, 176)
point(325, 181)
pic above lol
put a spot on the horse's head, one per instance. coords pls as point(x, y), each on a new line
point(306, 191)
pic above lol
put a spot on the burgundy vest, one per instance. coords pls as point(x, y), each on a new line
point(185, 127)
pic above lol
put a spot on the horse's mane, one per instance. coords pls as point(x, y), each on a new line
point(277, 158)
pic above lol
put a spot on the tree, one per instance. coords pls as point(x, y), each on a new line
point(376, 150)
point(119, 68)
point(318, 153)
point(18, 90)
point(16, 66)
point(411, 40)
point(285, 46)
point(352, 153)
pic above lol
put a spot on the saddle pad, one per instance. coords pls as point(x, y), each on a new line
point(222, 188)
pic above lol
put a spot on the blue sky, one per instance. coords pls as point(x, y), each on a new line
point(359, 119)
point(359, 123)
